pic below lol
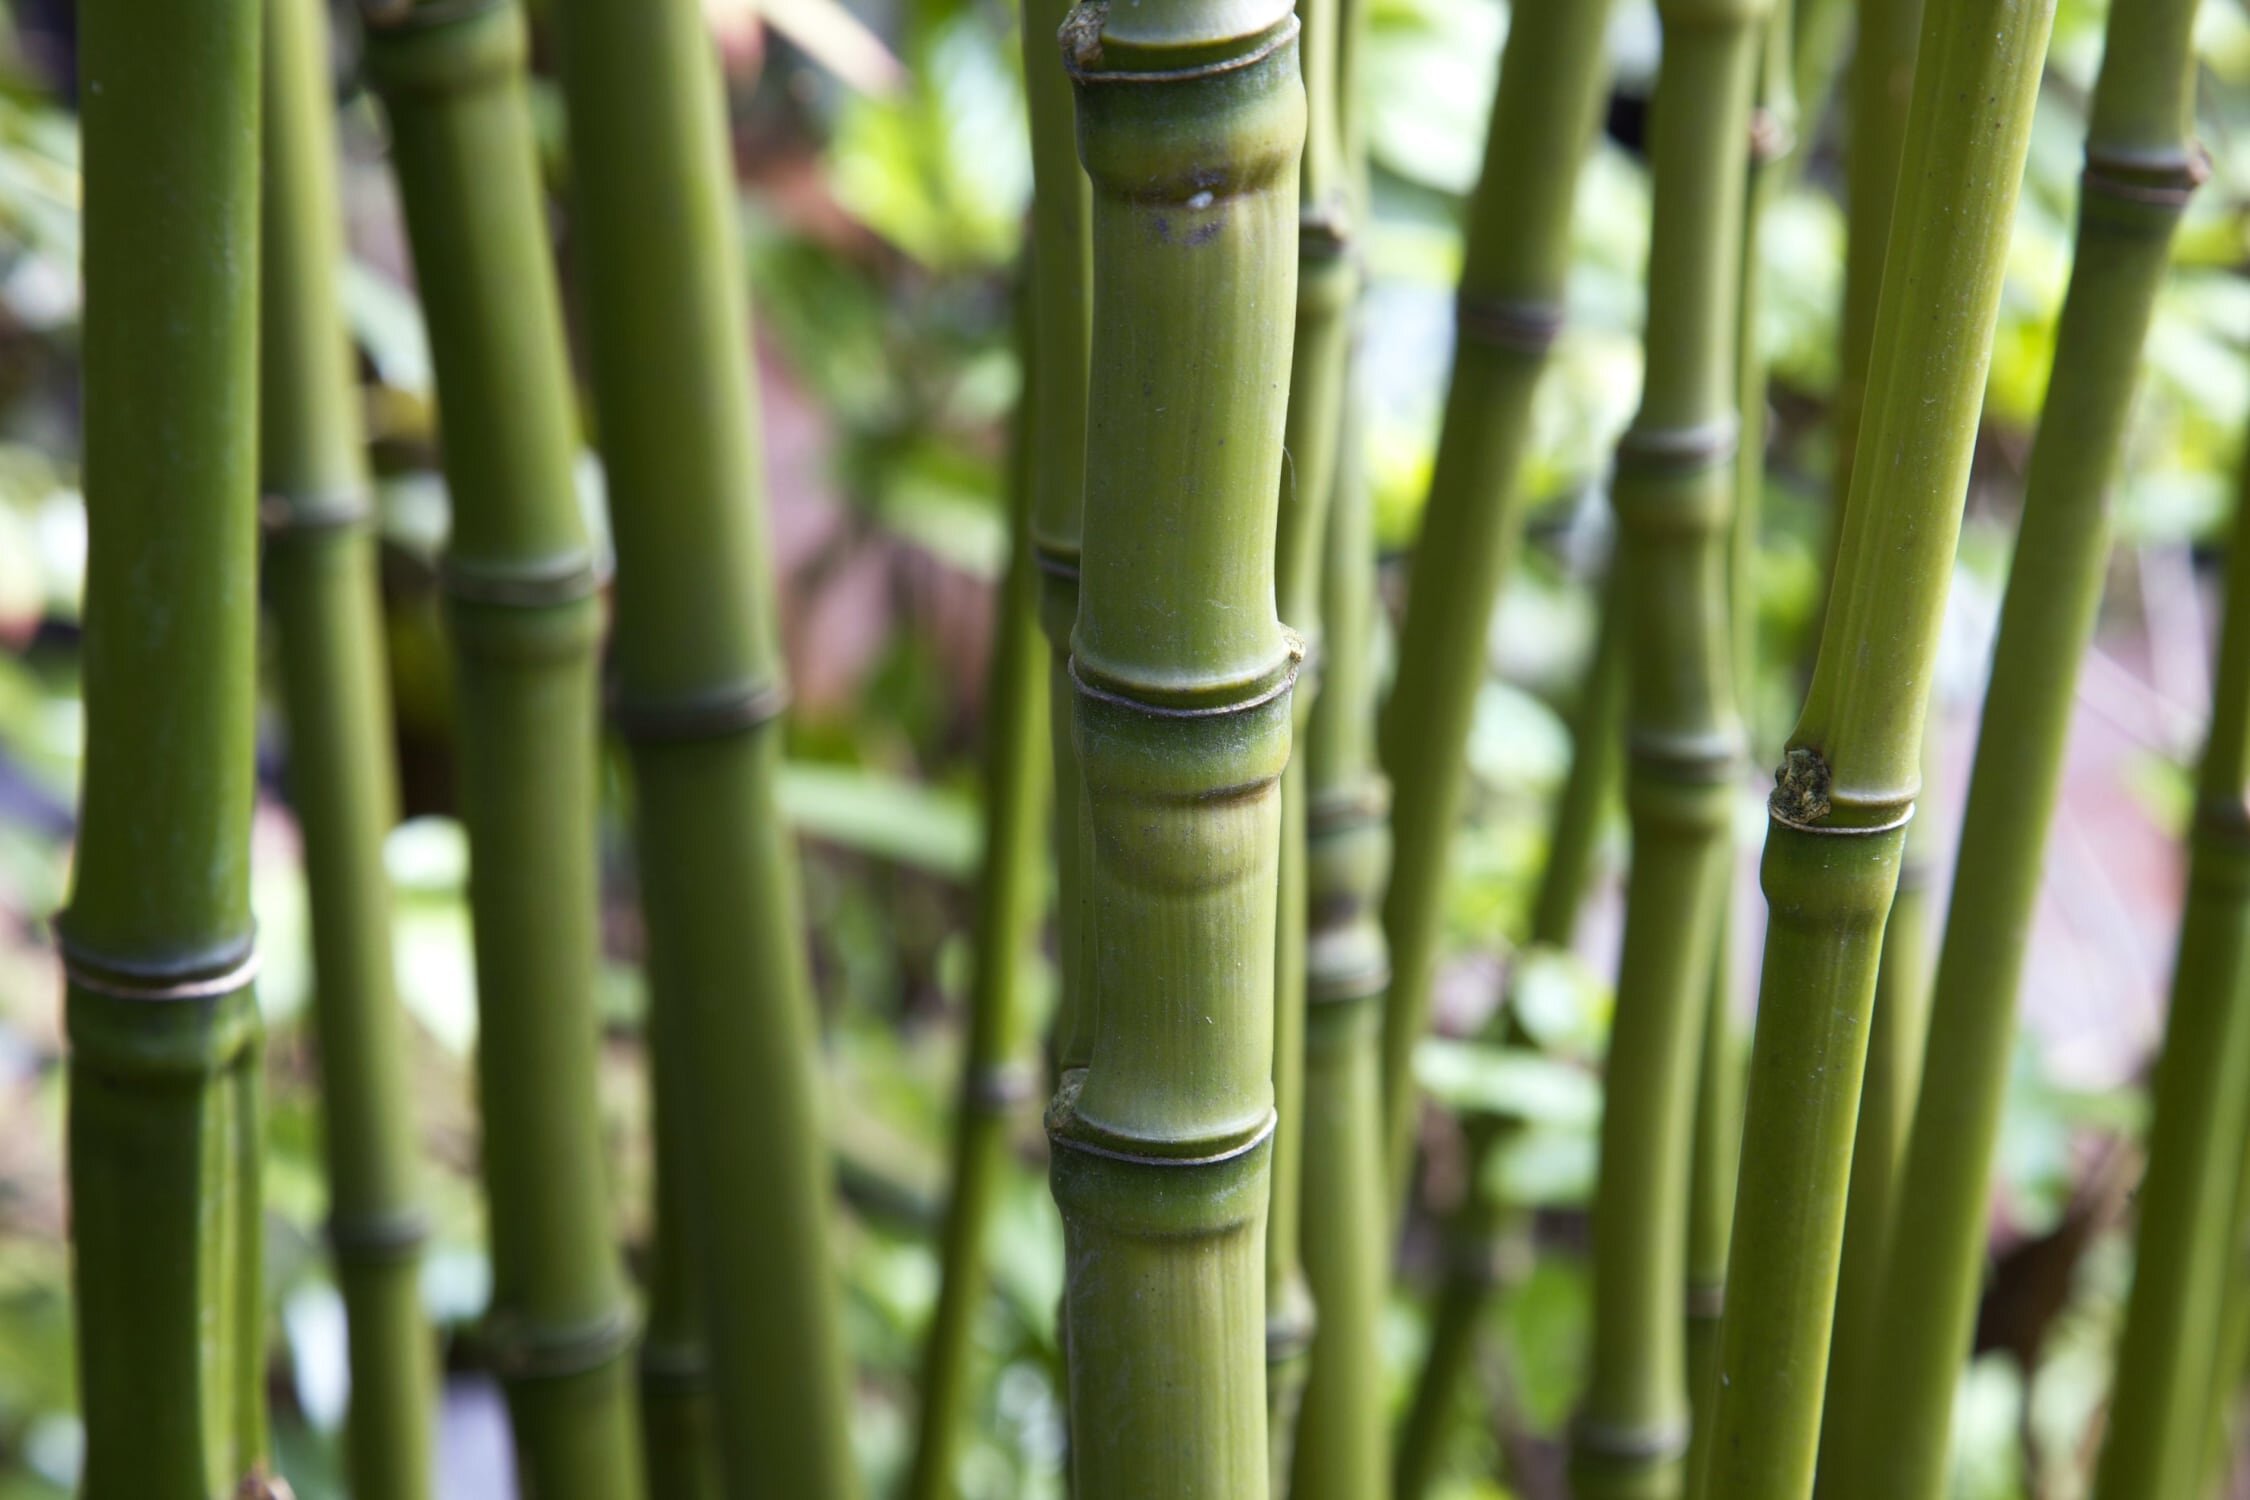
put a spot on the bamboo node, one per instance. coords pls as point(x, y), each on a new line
point(445, 47)
point(521, 1353)
point(674, 1367)
point(1801, 787)
point(545, 584)
point(1680, 449)
point(1059, 1134)
point(1772, 136)
point(718, 713)
point(1523, 325)
point(1706, 1300)
point(2163, 178)
point(1279, 686)
point(1633, 1445)
point(260, 1485)
point(1081, 37)
point(283, 516)
point(998, 1088)
point(157, 984)
point(378, 1239)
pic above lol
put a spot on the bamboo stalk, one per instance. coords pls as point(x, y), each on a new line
point(1061, 334)
point(1191, 123)
point(1327, 288)
point(320, 576)
point(2141, 166)
point(1510, 312)
point(1880, 80)
point(699, 693)
point(1009, 907)
point(2183, 1252)
point(1475, 1237)
point(520, 581)
point(157, 943)
point(1846, 789)
point(679, 1427)
point(1819, 31)
point(1674, 494)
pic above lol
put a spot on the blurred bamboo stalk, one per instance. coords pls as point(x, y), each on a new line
point(521, 583)
point(1510, 312)
point(321, 580)
point(157, 942)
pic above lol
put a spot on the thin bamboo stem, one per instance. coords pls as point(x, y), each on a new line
point(2141, 166)
point(994, 1078)
point(1327, 289)
point(1475, 1236)
point(520, 580)
point(320, 576)
point(1849, 778)
point(699, 693)
point(2183, 1252)
point(1819, 30)
point(1191, 125)
point(1510, 312)
point(157, 941)
point(1674, 494)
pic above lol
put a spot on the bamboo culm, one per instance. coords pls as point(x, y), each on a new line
point(2141, 167)
point(1191, 121)
point(2183, 1252)
point(1476, 1235)
point(1010, 895)
point(321, 583)
point(1847, 785)
point(1509, 315)
point(1327, 287)
point(1342, 1438)
point(520, 579)
point(699, 689)
point(1674, 495)
point(1880, 79)
point(1061, 334)
point(157, 947)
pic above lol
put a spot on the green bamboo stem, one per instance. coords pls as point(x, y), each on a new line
point(2222, 1425)
point(1880, 79)
point(2141, 167)
point(699, 691)
point(1327, 288)
point(679, 1431)
point(320, 576)
point(1847, 785)
point(1474, 1238)
point(1061, 334)
point(1674, 494)
point(157, 941)
point(1819, 31)
point(2184, 1252)
point(520, 581)
point(994, 1080)
point(1191, 123)
point(1510, 311)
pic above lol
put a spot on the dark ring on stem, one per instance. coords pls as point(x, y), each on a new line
point(553, 1354)
point(1324, 231)
point(735, 708)
point(1063, 565)
point(1641, 1444)
point(1256, 1139)
point(1344, 989)
point(1771, 137)
point(378, 1239)
point(1082, 46)
point(1280, 686)
point(1347, 808)
point(1527, 327)
point(567, 582)
point(285, 516)
point(441, 47)
point(1829, 830)
point(157, 985)
point(1680, 449)
point(2161, 179)
point(1707, 1300)
point(999, 1088)
point(678, 1367)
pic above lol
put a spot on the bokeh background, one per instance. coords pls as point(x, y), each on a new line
point(883, 172)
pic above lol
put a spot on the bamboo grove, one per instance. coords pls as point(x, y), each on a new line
point(1234, 719)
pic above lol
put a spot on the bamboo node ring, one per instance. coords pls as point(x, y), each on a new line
point(1527, 327)
point(2164, 178)
point(1081, 38)
point(156, 986)
point(1630, 1444)
point(375, 1239)
point(730, 709)
point(1278, 688)
point(1056, 563)
point(565, 582)
point(998, 1088)
point(519, 1353)
point(1059, 1135)
point(283, 516)
point(1680, 449)
point(1707, 1300)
